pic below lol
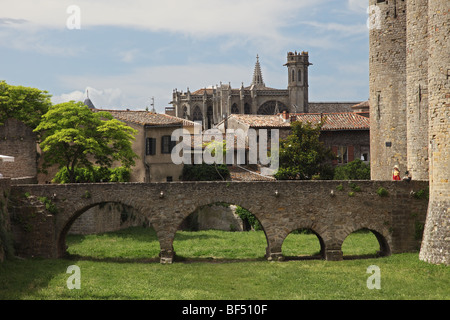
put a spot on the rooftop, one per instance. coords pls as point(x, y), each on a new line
point(146, 118)
point(333, 121)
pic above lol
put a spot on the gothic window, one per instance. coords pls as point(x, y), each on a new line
point(209, 117)
point(293, 76)
point(299, 77)
point(185, 115)
point(247, 109)
point(272, 107)
point(235, 109)
point(197, 115)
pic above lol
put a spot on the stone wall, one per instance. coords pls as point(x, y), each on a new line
point(106, 218)
point(18, 141)
point(417, 88)
point(436, 244)
point(331, 211)
point(387, 81)
point(5, 226)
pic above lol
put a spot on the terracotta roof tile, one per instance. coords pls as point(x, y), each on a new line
point(333, 121)
point(146, 118)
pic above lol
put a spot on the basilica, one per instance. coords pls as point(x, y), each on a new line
point(209, 106)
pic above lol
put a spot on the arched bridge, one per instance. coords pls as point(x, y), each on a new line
point(331, 209)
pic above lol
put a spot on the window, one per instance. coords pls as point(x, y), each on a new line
point(299, 77)
point(167, 144)
point(169, 179)
point(344, 154)
point(150, 148)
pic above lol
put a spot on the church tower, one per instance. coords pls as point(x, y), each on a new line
point(298, 64)
point(258, 81)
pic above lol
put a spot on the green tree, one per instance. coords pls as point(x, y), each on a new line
point(355, 170)
point(303, 156)
point(23, 103)
point(73, 136)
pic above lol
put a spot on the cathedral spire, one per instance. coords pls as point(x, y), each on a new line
point(257, 75)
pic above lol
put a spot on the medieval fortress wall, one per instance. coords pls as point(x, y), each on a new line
point(409, 99)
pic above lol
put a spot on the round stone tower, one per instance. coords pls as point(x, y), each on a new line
point(387, 67)
point(436, 240)
point(297, 65)
point(417, 88)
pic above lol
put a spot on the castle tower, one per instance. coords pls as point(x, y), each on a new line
point(436, 240)
point(387, 81)
point(417, 88)
point(298, 64)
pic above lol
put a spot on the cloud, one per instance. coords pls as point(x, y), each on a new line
point(134, 89)
point(202, 18)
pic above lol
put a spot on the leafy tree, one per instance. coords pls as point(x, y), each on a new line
point(205, 172)
point(23, 103)
point(355, 170)
point(72, 136)
point(303, 156)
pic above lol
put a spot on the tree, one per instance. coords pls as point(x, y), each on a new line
point(72, 136)
point(23, 103)
point(303, 156)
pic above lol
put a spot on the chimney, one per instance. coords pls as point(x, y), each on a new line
point(285, 115)
point(293, 118)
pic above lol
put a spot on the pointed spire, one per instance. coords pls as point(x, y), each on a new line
point(257, 75)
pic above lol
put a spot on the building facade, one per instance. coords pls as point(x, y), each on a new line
point(209, 106)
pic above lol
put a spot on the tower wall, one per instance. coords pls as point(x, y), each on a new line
point(298, 86)
point(417, 88)
point(436, 241)
point(387, 68)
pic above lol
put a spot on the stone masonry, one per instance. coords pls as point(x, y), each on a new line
point(436, 243)
point(281, 207)
point(411, 45)
point(387, 67)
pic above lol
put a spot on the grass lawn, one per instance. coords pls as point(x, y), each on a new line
point(216, 265)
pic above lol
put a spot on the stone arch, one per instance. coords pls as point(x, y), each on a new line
point(74, 215)
point(272, 107)
point(167, 248)
point(381, 236)
point(319, 238)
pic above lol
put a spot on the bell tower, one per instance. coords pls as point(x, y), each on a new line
point(297, 65)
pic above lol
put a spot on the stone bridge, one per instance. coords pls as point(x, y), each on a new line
point(331, 209)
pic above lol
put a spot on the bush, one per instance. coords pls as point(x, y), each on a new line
point(205, 172)
point(94, 175)
point(248, 218)
point(355, 170)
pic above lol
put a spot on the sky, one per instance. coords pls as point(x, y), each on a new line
point(124, 53)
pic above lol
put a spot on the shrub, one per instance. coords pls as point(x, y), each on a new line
point(355, 170)
point(382, 192)
point(205, 172)
point(94, 175)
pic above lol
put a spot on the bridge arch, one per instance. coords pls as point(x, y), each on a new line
point(311, 231)
point(74, 214)
point(382, 236)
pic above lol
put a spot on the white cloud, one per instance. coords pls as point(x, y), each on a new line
point(260, 18)
point(140, 84)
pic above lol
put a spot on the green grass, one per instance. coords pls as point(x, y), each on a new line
point(125, 265)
